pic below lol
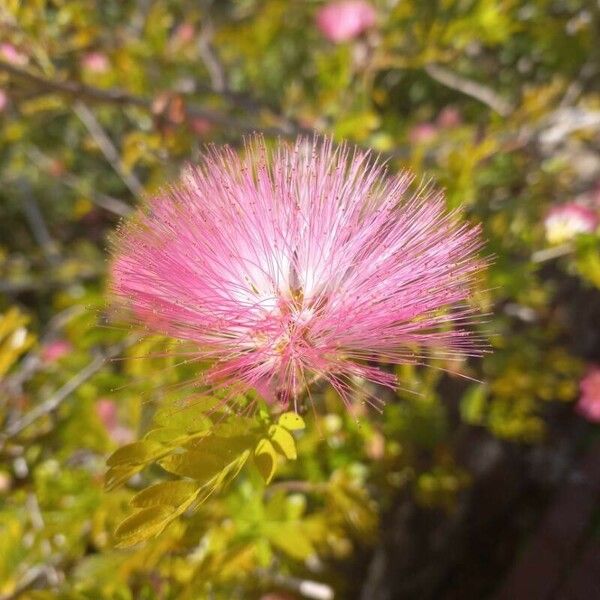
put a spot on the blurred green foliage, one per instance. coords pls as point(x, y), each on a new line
point(104, 102)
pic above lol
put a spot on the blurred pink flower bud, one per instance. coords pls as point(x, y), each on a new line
point(588, 405)
point(96, 62)
point(421, 133)
point(55, 350)
point(106, 410)
point(10, 54)
point(200, 126)
point(345, 20)
point(449, 117)
point(565, 221)
point(184, 33)
point(3, 100)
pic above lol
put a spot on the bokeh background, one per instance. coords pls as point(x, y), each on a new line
point(483, 483)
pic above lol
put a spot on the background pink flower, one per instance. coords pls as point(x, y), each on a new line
point(422, 133)
point(567, 220)
point(96, 62)
point(449, 117)
point(305, 262)
point(345, 20)
point(106, 410)
point(184, 33)
point(589, 400)
point(55, 350)
point(10, 54)
point(3, 100)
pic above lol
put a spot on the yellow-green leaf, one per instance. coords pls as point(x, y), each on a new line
point(188, 417)
point(144, 524)
point(291, 539)
point(195, 464)
point(291, 421)
point(264, 458)
point(116, 476)
point(283, 441)
point(174, 437)
point(176, 494)
point(137, 453)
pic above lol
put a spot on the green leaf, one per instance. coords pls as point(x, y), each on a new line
point(167, 493)
point(116, 476)
point(265, 459)
point(291, 539)
point(227, 447)
point(137, 453)
point(291, 421)
point(201, 466)
point(144, 524)
point(473, 405)
point(174, 437)
point(283, 441)
point(189, 417)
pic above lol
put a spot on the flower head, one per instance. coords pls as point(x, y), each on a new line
point(589, 401)
point(307, 261)
point(565, 221)
point(345, 20)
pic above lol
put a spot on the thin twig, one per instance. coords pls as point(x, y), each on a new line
point(551, 253)
point(107, 148)
point(31, 577)
point(32, 362)
point(216, 72)
point(56, 399)
point(469, 88)
point(307, 588)
point(82, 91)
point(564, 121)
point(109, 203)
point(37, 224)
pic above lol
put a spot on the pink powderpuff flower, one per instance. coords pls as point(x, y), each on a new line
point(55, 350)
point(10, 54)
point(299, 263)
point(589, 402)
point(95, 62)
point(346, 20)
point(565, 221)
